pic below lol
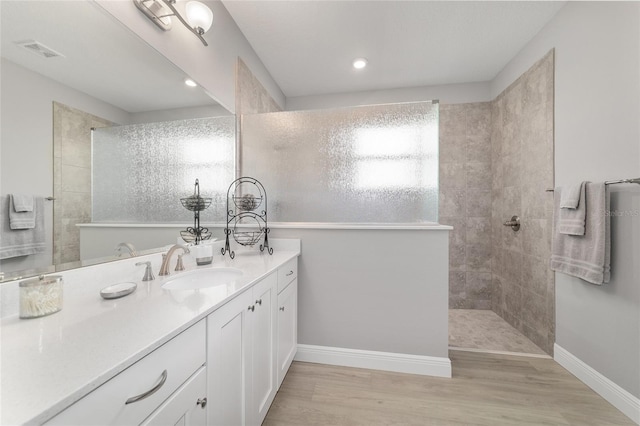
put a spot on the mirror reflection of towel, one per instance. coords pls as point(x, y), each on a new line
point(21, 242)
point(21, 212)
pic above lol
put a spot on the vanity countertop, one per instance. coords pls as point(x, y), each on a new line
point(51, 362)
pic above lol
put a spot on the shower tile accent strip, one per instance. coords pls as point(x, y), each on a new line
point(465, 201)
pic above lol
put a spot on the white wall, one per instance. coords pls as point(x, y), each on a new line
point(446, 94)
point(377, 290)
point(213, 66)
point(597, 110)
point(26, 140)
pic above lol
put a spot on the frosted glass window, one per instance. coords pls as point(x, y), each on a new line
point(372, 164)
point(141, 171)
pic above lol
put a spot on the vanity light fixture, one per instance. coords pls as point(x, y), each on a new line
point(360, 63)
point(198, 15)
point(190, 82)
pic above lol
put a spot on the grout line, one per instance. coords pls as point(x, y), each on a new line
point(489, 351)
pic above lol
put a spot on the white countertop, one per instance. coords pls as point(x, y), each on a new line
point(49, 363)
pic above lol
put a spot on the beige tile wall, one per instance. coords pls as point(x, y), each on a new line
point(523, 287)
point(72, 178)
point(465, 201)
point(496, 160)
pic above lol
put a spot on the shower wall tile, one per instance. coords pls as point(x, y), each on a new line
point(251, 96)
point(478, 230)
point(453, 202)
point(478, 175)
point(535, 274)
point(71, 177)
point(479, 148)
point(478, 203)
point(453, 148)
point(479, 288)
point(457, 256)
point(478, 257)
point(522, 169)
point(453, 175)
point(465, 200)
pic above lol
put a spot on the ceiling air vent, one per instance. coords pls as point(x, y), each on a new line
point(39, 49)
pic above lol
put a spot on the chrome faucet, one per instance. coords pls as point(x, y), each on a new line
point(166, 259)
point(130, 248)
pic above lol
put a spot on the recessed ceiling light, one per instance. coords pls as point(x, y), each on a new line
point(190, 82)
point(359, 63)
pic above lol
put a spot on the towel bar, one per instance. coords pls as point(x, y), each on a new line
point(612, 182)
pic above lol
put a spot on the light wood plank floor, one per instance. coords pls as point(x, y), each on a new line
point(486, 389)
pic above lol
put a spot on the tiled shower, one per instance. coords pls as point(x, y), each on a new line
point(496, 161)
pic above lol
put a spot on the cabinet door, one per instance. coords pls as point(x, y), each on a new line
point(287, 328)
point(186, 407)
point(228, 361)
point(263, 384)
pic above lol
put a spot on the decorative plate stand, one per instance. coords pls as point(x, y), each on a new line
point(247, 215)
point(196, 204)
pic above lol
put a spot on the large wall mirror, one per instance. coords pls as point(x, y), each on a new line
point(67, 67)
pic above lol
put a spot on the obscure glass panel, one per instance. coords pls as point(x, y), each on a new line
point(141, 171)
point(371, 164)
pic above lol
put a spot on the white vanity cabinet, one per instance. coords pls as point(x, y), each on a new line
point(287, 341)
point(241, 356)
point(165, 377)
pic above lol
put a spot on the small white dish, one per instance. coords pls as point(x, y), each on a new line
point(118, 290)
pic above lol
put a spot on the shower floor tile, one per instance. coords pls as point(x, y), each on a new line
point(477, 329)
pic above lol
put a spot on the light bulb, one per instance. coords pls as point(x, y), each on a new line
point(199, 16)
point(190, 82)
point(359, 63)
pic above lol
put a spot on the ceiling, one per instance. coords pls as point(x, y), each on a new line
point(308, 46)
point(136, 78)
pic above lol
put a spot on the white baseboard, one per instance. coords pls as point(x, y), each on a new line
point(618, 397)
point(387, 361)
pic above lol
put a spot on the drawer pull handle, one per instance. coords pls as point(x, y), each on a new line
point(150, 391)
point(251, 308)
point(282, 308)
point(289, 273)
point(259, 302)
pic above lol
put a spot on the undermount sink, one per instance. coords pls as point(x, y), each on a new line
point(202, 279)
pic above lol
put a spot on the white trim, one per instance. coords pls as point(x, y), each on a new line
point(490, 351)
point(618, 397)
point(387, 361)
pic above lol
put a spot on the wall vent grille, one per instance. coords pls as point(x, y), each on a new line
point(39, 49)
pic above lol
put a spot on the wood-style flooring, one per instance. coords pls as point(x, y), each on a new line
point(486, 389)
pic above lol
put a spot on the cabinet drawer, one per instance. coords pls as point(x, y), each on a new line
point(287, 273)
point(164, 370)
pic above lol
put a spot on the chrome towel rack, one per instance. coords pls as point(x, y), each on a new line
point(613, 182)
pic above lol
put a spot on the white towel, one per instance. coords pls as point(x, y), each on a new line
point(22, 203)
point(19, 216)
point(571, 194)
point(585, 256)
point(572, 218)
point(21, 242)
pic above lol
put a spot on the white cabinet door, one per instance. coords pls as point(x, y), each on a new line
point(228, 361)
point(287, 328)
point(263, 321)
point(186, 407)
